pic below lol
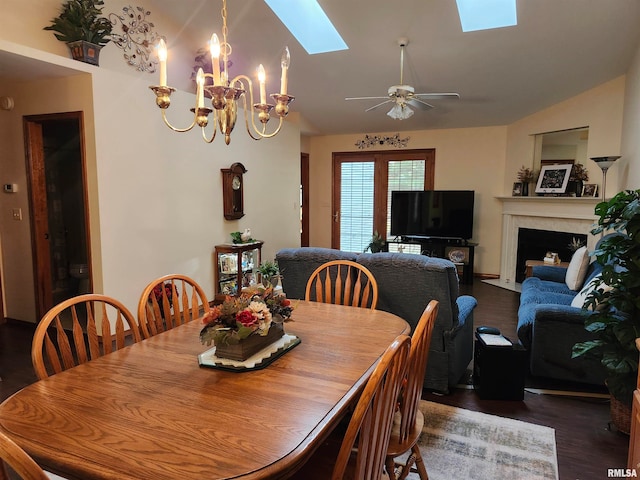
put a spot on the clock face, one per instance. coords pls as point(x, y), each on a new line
point(235, 182)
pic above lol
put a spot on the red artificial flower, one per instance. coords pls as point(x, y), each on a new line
point(246, 318)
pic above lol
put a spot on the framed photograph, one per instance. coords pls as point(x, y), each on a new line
point(517, 189)
point(590, 190)
point(553, 178)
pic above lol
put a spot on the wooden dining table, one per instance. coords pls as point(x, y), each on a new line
point(150, 411)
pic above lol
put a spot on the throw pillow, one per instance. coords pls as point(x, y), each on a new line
point(579, 299)
point(577, 269)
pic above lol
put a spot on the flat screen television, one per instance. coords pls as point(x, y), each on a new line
point(432, 213)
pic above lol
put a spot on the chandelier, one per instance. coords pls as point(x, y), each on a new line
point(225, 93)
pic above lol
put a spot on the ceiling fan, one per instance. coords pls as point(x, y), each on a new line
point(401, 96)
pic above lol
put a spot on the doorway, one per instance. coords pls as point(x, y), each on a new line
point(56, 175)
point(362, 186)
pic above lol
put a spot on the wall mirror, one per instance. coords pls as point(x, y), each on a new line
point(561, 147)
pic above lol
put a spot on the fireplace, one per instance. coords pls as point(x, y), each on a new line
point(533, 244)
point(570, 215)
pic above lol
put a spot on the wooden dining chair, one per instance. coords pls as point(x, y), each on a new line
point(409, 420)
point(19, 460)
point(169, 301)
point(343, 282)
point(89, 319)
point(361, 451)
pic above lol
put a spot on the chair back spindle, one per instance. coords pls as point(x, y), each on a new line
point(181, 300)
point(55, 349)
point(343, 282)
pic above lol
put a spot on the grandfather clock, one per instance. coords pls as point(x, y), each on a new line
point(232, 195)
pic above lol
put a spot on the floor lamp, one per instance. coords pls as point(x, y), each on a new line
point(604, 163)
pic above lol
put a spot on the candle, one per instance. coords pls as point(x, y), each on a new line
point(284, 62)
point(200, 88)
point(263, 89)
point(162, 56)
point(214, 47)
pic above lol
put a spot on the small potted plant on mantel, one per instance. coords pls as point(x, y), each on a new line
point(83, 28)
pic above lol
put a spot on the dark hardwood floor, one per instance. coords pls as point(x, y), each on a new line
point(586, 446)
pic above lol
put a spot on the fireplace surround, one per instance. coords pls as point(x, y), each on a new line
point(556, 214)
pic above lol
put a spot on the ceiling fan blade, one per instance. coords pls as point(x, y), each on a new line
point(419, 103)
point(437, 95)
point(378, 105)
point(366, 98)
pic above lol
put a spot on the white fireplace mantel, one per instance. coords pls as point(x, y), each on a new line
point(558, 214)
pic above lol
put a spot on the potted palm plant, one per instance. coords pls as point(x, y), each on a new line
point(83, 28)
point(615, 302)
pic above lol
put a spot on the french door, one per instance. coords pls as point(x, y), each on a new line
point(362, 186)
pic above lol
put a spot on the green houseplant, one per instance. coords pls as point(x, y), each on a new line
point(616, 299)
point(269, 272)
point(82, 27)
point(376, 244)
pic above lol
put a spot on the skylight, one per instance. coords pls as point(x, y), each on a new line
point(486, 14)
point(306, 20)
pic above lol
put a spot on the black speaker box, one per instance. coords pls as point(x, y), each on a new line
point(499, 371)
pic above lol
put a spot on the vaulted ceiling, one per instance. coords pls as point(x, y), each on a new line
point(559, 49)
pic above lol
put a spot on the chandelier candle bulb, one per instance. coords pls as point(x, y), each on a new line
point(162, 56)
point(200, 88)
point(263, 88)
point(214, 47)
point(284, 62)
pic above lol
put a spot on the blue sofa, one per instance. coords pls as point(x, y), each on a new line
point(406, 284)
point(548, 327)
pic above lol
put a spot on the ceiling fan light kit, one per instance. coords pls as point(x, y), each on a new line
point(400, 112)
point(404, 95)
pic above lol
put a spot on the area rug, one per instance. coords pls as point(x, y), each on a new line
point(458, 443)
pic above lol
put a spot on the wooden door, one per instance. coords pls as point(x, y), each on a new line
point(50, 270)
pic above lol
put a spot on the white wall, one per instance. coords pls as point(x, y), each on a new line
point(600, 109)
point(155, 196)
point(628, 167)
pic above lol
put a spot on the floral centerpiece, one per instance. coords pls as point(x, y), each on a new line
point(242, 325)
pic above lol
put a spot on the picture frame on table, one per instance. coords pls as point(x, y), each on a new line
point(590, 190)
point(517, 189)
point(553, 178)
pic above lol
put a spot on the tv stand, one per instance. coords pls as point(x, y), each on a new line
point(460, 251)
point(427, 239)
